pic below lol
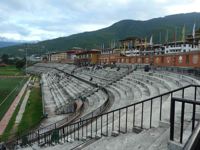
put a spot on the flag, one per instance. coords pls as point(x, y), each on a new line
point(183, 34)
point(166, 37)
point(145, 42)
point(151, 40)
point(193, 32)
point(175, 35)
point(160, 37)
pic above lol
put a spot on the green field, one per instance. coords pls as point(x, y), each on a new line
point(10, 131)
point(10, 71)
point(9, 88)
point(33, 112)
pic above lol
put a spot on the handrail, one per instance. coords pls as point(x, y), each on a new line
point(192, 142)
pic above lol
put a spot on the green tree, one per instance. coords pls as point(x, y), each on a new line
point(20, 63)
point(4, 58)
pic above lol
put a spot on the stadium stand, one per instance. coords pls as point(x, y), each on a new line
point(124, 107)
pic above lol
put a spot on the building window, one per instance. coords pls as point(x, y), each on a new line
point(162, 60)
point(187, 59)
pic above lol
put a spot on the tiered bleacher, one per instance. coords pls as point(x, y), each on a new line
point(124, 107)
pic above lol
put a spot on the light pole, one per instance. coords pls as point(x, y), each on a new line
point(26, 59)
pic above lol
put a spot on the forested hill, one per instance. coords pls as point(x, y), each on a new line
point(119, 30)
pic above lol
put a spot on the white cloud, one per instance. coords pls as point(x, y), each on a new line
point(185, 6)
point(46, 19)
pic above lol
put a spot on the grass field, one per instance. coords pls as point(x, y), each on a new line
point(33, 112)
point(9, 88)
point(10, 131)
point(10, 71)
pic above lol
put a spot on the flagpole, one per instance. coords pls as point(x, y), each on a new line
point(160, 38)
point(193, 33)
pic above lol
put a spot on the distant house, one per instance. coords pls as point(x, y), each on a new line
point(64, 56)
point(57, 56)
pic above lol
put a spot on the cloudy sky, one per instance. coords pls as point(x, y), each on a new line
point(34, 20)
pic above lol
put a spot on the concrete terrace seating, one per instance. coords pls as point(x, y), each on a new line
point(101, 76)
point(95, 101)
point(38, 70)
point(126, 89)
point(65, 88)
point(162, 84)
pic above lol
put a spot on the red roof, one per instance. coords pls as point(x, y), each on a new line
point(73, 51)
point(88, 52)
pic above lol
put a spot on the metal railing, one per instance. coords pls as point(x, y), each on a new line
point(138, 115)
point(183, 102)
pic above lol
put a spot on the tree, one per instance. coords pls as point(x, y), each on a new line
point(20, 63)
point(4, 58)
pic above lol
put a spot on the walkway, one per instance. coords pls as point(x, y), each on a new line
point(5, 120)
point(22, 108)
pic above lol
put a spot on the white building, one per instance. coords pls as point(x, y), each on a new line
point(179, 46)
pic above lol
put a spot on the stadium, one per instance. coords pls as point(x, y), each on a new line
point(132, 95)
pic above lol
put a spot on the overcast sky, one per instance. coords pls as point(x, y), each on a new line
point(34, 20)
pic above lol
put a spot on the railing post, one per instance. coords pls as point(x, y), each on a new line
point(86, 128)
point(45, 140)
point(101, 125)
point(160, 108)
point(182, 121)
point(67, 132)
point(96, 125)
point(151, 112)
point(194, 108)
point(113, 121)
point(82, 123)
point(78, 130)
point(126, 117)
point(183, 93)
point(38, 137)
point(133, 116)
point(172, 113)
point(119, 118)
point(142, 115)
point(107, 124)
point(91, 127)
point(63, 130)
point(74, 131)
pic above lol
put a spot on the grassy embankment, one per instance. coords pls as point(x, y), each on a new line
point(33, 113)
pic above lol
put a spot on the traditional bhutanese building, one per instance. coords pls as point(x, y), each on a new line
point(130, 42)
point(195, 40)
point(87, 57)
point(71, 55)
point(57, 56)
point(190, 44)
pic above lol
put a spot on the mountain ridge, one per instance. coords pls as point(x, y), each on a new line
point(116, 31)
